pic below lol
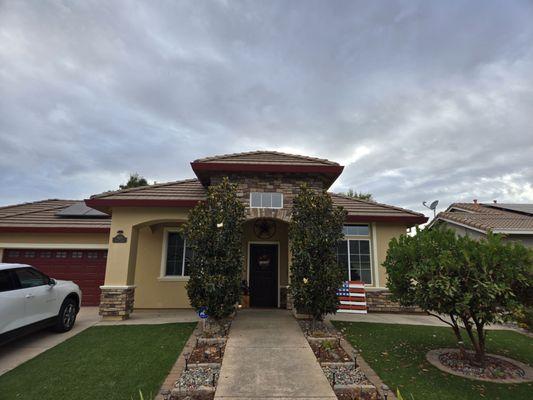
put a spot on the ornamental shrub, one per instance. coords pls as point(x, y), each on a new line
point(472, 282)
point(314, 231)
point(214, 232)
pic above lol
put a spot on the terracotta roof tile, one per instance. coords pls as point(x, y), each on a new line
point(189, 189)
point(359, 207)
point(42, 214)
point(265, 157)
point(485, 218)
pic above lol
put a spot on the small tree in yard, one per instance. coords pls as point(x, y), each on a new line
point(214, 233)
point(474, 283)
point(315, 230)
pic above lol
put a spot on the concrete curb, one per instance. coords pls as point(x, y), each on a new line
point(433, 358)
point(364, 367)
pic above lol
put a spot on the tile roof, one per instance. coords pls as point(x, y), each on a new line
point(265, 157)
point(42, 215)
point(485, 217)
point(189, 189)
point(365, 208)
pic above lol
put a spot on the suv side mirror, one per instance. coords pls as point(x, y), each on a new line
point(52, 282)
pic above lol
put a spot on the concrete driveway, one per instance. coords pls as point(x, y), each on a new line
point(21, 350)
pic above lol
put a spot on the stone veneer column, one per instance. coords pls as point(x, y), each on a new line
point(116, 302)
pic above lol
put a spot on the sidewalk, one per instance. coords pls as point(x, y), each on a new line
point(267, 357)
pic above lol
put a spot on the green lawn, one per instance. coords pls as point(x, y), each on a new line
point(397, 354)
point(102, 362)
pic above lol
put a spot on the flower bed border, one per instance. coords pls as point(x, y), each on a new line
point(432, 357)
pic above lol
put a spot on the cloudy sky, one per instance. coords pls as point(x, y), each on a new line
point(419, 100)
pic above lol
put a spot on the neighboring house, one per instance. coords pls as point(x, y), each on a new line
point(475, 219)
point(147, 257)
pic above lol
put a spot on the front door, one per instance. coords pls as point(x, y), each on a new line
point(263, 275)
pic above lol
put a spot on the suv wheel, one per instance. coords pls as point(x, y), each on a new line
point(67, 316)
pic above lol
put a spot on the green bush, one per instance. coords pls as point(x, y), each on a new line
point(314, 231)
point(214, 232)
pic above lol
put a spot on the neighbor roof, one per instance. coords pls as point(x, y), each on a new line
point(42, 216)
point(486, 217)
point(521, 208)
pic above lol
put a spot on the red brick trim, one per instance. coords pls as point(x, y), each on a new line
point(415, 219)
point(98, 204)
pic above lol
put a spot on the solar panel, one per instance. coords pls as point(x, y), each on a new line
point(521, 208)
point(80, 210)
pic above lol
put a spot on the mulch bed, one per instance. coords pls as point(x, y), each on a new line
point(495, 368)
point(207, 353)
point(328, 351)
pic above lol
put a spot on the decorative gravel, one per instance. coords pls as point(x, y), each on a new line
point(193, 378)
point(495, 368)
point(345, 375)
point(214, 330)
point(321, 329)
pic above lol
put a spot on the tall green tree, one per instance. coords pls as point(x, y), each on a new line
point(135, 180)
point(214, 232)
point(358, 195)
point(315, 229)
point(473, 282)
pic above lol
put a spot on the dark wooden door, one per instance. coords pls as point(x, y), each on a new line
point(263, 275)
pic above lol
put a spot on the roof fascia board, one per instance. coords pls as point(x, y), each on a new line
point(243, 167)
point(385, 218)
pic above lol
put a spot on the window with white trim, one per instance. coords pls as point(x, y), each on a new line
point(354, 254)
point(177, 255)
point(266, 200)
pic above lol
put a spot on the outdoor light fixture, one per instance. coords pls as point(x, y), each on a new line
point(355, 353)
point(385, 389)
point(187, 355)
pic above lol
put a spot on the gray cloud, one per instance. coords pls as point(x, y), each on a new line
point(420, 100)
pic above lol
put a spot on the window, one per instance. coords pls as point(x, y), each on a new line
point(46, 254)
point(266, 200)
point(92, 254)
point(77, 254)
point(13, 253)
point(28, 277)
point(29, 254)
point(354, 257)
point(356, 230)
point(6, 284)
point(61, 254)
point(177, 255)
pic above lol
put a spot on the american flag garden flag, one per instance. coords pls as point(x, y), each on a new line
point(352, 298)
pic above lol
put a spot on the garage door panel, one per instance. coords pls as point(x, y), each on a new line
point(85, 267)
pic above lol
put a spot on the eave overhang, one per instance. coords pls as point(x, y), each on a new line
point(410, 220)
point(203, 170)
point(51, 229)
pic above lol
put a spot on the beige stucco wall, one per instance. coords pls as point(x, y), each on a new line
point(152, 291)
point(53, 238)
point(122, 257)
point(384, 232)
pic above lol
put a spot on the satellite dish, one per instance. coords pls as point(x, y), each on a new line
point(432, 206)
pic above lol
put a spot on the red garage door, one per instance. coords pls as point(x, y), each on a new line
point(85, 267)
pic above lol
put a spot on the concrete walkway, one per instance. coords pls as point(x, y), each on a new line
point(267, 357)
point(21, 350)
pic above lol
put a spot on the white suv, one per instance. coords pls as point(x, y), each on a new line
point(30, 300)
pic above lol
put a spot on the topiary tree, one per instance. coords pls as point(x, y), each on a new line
point(214, 232)
point(314, 231)
point(473, 282)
